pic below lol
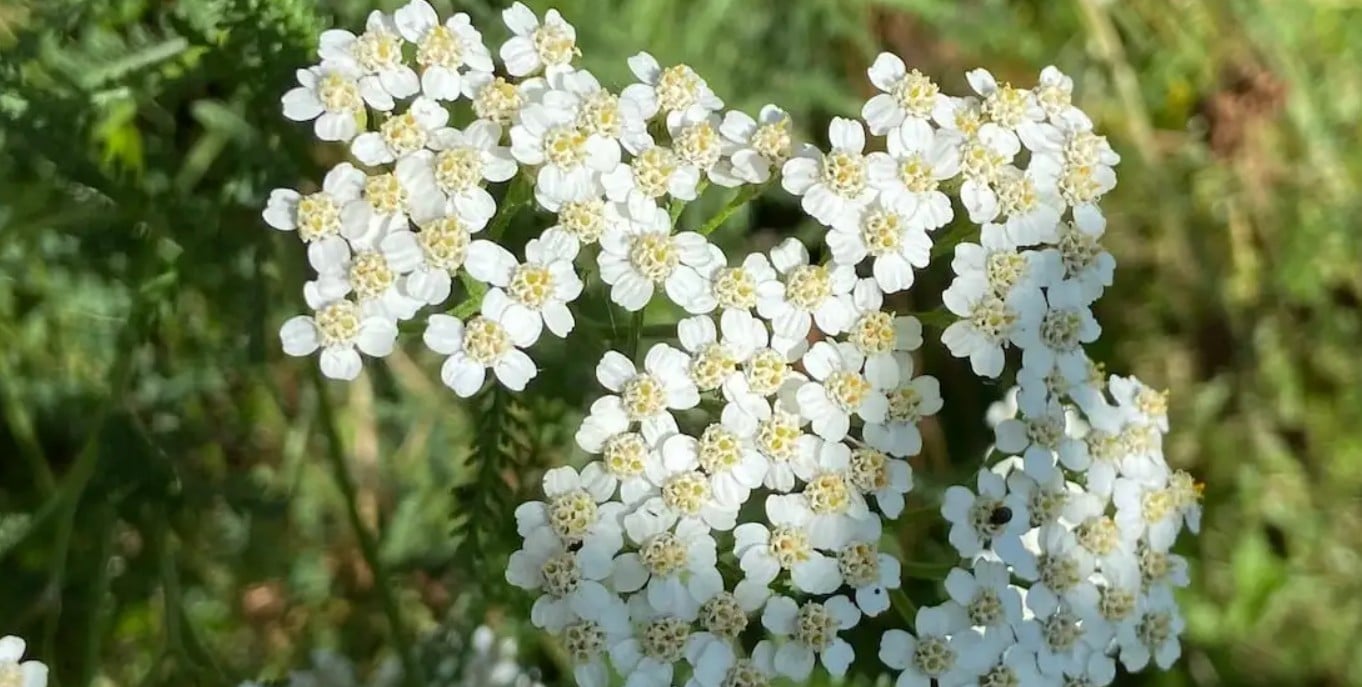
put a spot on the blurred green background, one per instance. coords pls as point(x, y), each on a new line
point(168, 513)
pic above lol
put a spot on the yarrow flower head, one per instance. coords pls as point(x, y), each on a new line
point(789, 375)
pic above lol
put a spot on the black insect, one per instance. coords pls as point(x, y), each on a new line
point(1000, 516)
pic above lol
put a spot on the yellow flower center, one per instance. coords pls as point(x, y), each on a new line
point(339, 94)
point(653, 256)
point(869, 470)
point(772, 141)
point(844, 173)
point(874, 333)
point(711, 366)
point(766, 372)
point(1006, 106)
point(664, 640)
point(561, 574)
point(686, 492)
point(723, 616)
point(338, 323)
point(663, 555)
point(933, 656)
point(643, 397)
point(403, 134)
point(600, 115)
point(993, 319)
point(735, 289)
point(789, 545)
point(498, 101)
point(699, 145)
point(678, 87)
point(385, 193)
point(828, 494)
point(584, 219)
point(565, 146)
point(571, 515)
point(445, 243)
point(485, 341)
point(625, 454)
point(882, 231)
point(653, 170)
point(807, 286)
point(458, 169)
point(917, 174)
point(440, 48)
point(318, 216)
point(848, 389)
point(859, 564)
point(370, 275)
point(554, 44)
point(815, 627)
point(778, 436)
point(720, 449)
point(916, 94)
point(378, 51)
point(531, 286)
point(583, 641)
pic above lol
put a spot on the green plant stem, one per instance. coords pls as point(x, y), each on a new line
point(99, 588)
point(956, 235)
point(335, 455)
point(738, 200)
point(180, 636)
point(904, 605)
point(636, 328)
point(21, 428)
point(517, 197)
point(678, 206)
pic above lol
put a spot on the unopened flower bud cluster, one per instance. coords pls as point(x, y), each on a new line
point(811, 398)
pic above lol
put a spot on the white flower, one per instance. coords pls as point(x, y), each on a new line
point(19, 674)
point(940, 650)
point(997, 260)
point(376, 55)
point(886, 235)
point(1060, 641)
point(677, 567)
point(400, 135)
point(1097, 669)
point(429, 257)
point(316, 215)
point(715, 359)
point(1054, 92)
point(1054, 335)
point(1028, 206)
point(737, 288)
point(644, 396)
point(1082, 167)
point(904, 95)
point(727, 457)
point(655, 171)
point(1141, 403)
point(1081, 255)
point(982, 156)
point(777, 434)
point(443, 50)
point(577, 509)
point(491, 340)
point(812, 630)
point(338, 327)
point(840, 390)
point(570, 159)
point(834, 185)
point(1039, 439)
point(372, 275)
point(598, 111)
point(535, 46)
point(992, 605)
point(763, 553)
point(911, 400)
point(679, 490)
point(874, 473)
point(988, 322)
point(987, 519)
point(880, 336)
point(571, 580)
point(757, 671)
point(658, 641)
point(583, 222)
point(643, 254)
point(696, 141)
point(539, 289)
point(586, 641)
point(1148, 510)
point(454, 173)
point(384, 206)
point(723, 618)
point(837, 510)
point(1016, 665)
point(757, 146)
point(810, 294)
point(669, 92)
point(1016, 109)
point(909, 176)
point(1160, 568)
point(1119, 602)
point(1062, 573)
point(499, 100)
point(863, 567)
point(329, 94)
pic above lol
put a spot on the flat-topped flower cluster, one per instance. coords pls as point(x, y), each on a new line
point(790, 382)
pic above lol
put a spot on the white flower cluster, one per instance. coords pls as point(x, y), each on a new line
point(790, 382)
point(16, 672)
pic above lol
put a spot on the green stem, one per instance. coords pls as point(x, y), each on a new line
point(21, 427)
point(636, 328)
point(335, 455)
point(738, 200)
point(962, 231)
point(517, 197)
point(99, 588)
point(938, 318)
point(904, 605)
point(678, 206)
